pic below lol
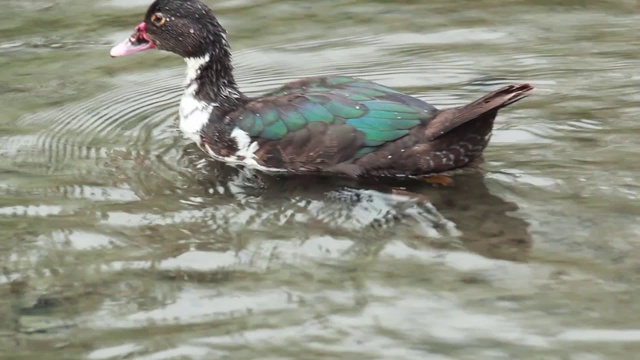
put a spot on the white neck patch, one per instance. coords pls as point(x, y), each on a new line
point(194, 113)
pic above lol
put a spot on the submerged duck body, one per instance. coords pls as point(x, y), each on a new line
point(332, 124)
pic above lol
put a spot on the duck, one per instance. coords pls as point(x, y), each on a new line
point(335, 125)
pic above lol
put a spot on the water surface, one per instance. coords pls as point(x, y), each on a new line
point(119, 240)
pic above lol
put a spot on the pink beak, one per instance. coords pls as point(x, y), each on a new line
point(138, 41)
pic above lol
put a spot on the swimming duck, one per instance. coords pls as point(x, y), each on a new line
point(327, 124)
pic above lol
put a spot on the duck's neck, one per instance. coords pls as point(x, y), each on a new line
point(210, 91)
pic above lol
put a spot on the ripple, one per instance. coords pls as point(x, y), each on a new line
point(81, 240)
point(600, 335)
point(114, 351)
point(194, 305)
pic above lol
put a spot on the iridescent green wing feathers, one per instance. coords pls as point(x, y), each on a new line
point(380, 113)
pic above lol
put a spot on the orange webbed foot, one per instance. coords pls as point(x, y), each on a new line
point(438, 180)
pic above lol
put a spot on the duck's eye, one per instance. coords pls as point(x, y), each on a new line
point(158, 19)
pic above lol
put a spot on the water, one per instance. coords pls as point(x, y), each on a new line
point(119, 240)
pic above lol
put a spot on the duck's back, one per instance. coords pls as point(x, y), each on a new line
point(355, 127)
point(328, 123)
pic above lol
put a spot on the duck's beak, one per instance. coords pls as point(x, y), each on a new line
point(138, 41)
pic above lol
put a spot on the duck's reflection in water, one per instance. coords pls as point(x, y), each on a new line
point(463, 215)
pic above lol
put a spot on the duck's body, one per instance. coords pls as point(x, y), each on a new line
point(332, 124)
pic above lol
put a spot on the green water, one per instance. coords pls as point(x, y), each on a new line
point(119, 240)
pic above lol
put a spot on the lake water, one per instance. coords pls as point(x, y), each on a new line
point(118, 239)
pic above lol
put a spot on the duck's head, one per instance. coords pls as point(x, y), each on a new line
point(184, 27)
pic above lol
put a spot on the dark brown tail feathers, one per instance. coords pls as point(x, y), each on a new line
point(449, 119)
